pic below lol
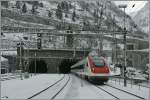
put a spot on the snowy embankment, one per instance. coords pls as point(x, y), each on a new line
point(22, 89)
point(134, 89)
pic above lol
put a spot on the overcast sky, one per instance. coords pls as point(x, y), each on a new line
point(129, 9)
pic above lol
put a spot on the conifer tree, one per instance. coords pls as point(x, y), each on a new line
point(41, 4)
point(73, 16)
point(35, 3)
point(18, 4)
point(59, 12)
point(33, 9)
point(24, 8)
point(66, 15)
point(4, 3)
point(49, 14)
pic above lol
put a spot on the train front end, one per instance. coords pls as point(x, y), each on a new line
point(99, 69)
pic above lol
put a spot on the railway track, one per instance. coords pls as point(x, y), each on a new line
point(4, 78)
point(118, 93)
point(61, 89)
point(53, 96)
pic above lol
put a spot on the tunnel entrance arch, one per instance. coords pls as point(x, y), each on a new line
point(65, 65)
point(38, 66)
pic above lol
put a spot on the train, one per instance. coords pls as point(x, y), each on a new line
point(93, 68)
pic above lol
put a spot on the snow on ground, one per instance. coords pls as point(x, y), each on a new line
point(115, 71)
point(22, 89)
point(143, 83)
point(140, 91)
point(80, 89)
point(75, 89)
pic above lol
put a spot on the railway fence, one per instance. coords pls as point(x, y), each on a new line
point(131, 81)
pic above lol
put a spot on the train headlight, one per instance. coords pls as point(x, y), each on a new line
point(106, 69)
point(93, 69)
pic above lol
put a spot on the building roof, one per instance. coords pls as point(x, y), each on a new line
point(3, 59)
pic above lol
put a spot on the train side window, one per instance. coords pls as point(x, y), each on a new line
point(104, 63)
point(86, 64)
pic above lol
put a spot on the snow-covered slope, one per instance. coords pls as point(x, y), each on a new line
point(112, 16)
point(87, 14)
point(142, 18)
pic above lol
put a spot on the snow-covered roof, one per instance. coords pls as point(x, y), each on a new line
point(13, 36)
point(9, 52)
point(143, 50)
point(3, 59)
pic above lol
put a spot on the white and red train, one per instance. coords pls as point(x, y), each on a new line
point(92, 68)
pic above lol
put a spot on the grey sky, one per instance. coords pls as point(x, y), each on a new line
point(129, 9)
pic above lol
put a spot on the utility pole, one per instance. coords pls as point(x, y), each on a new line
point(114, 44)
point(35, 64)
point(125, 59)
point(20, 56)
point(20, 64)
point(28, 59)
point(99, 22)
point(149, 47)
point(0, 50)
point(101, 37)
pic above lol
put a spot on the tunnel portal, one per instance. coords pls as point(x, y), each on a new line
point(38, 66)
point(65, 65)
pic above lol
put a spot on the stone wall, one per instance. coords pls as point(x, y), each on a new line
point(51, 57)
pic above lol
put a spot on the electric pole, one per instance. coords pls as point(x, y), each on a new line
point(125, 59)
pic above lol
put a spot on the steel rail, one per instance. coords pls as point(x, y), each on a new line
point(107, 92)
point(61, 89)
point(45, 88)
point(125, 91)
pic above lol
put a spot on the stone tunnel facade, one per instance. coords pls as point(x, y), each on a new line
point(51, 57)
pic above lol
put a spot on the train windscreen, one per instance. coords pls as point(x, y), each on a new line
point(98, 62)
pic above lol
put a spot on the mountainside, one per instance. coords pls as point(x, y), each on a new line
point(86, 14)
point(132, 14)
point(141, 18)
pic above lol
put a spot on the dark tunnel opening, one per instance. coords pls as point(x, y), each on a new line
point(38, 66)
point(65, 65)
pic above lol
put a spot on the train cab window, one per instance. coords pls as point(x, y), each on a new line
point(86, 64)
point(99, 62)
